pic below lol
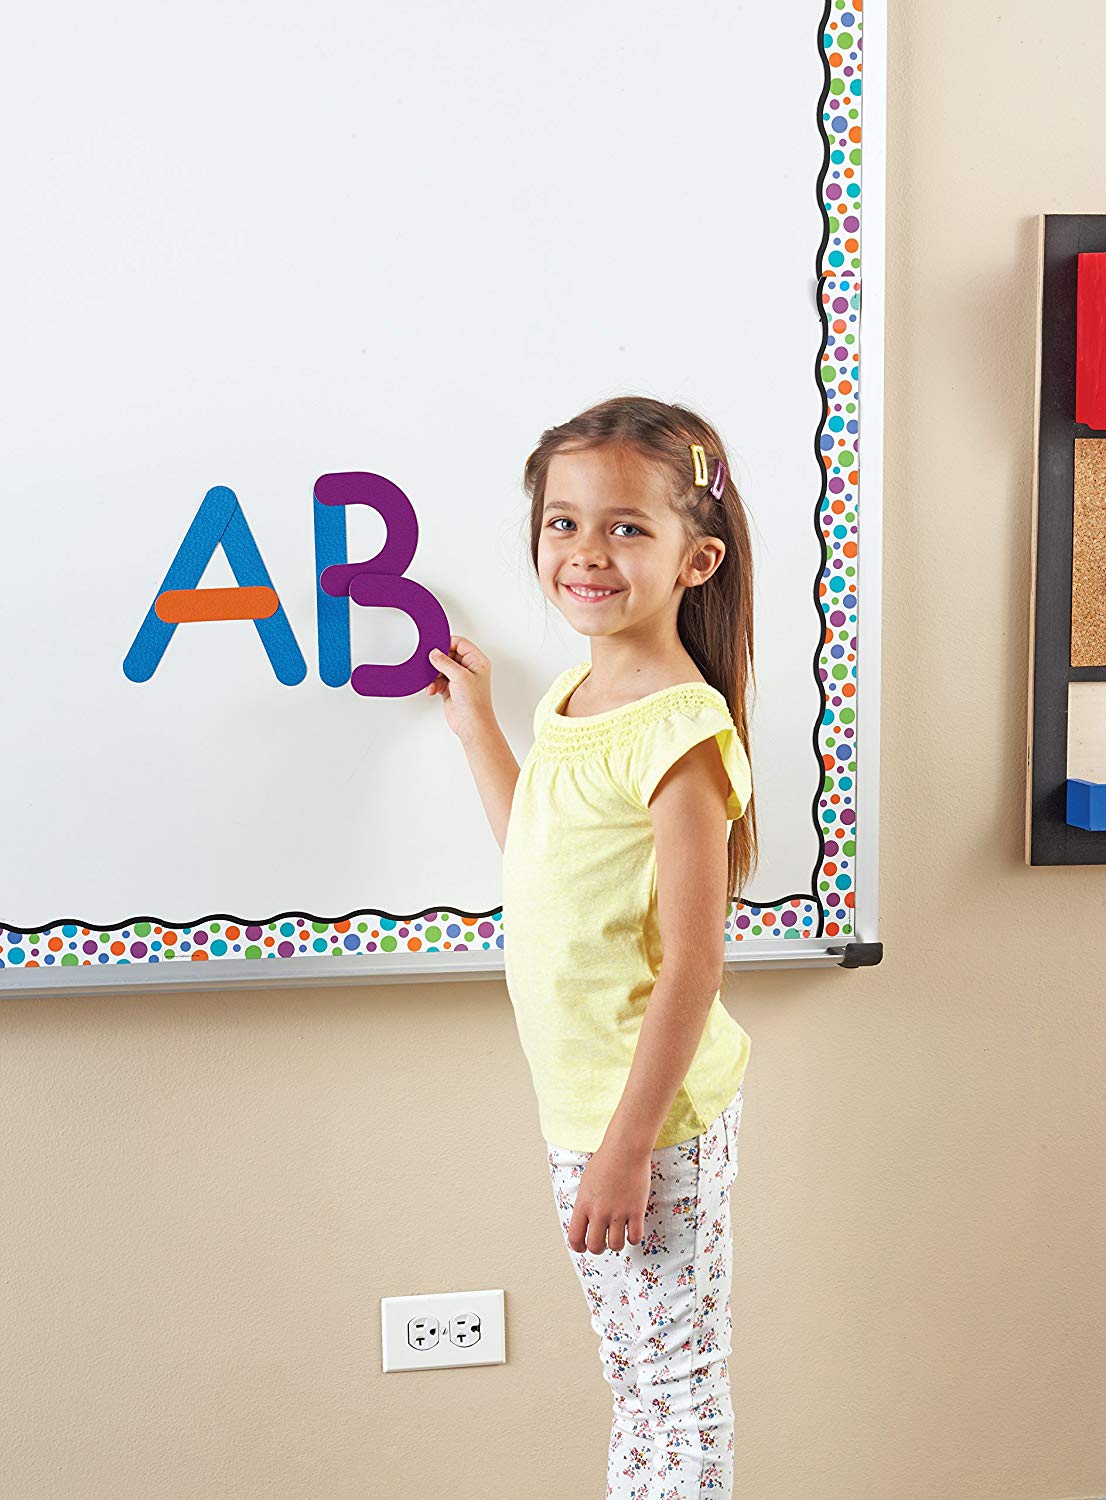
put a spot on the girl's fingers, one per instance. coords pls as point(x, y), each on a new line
point(468, 653)
point(575, 1235)
point(597, 1230)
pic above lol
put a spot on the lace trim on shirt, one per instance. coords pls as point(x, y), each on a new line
point(573, 739)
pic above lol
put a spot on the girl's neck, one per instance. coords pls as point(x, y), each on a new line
point(611, 683)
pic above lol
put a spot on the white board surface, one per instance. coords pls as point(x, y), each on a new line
point(249, 245)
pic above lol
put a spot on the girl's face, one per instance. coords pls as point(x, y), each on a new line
point(608, 526)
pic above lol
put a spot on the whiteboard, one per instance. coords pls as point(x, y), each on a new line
point(250, 247)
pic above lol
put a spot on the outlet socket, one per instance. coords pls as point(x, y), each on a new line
point(441, 1330)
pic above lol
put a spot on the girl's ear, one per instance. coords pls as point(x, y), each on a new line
point(705, 559)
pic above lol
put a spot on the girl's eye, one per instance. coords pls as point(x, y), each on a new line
point(630, 524)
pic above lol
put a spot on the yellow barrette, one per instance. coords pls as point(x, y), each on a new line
point(700, 458)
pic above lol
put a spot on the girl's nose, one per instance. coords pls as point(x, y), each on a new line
point(586, 551)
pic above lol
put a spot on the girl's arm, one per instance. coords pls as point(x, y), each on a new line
point(688, 810)
point(495, 771)
point(465, 687)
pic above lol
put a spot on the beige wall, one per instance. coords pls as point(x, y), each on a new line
point(204, 1198)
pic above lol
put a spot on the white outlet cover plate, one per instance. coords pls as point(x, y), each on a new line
point(442, 1319)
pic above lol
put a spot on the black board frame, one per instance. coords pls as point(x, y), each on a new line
point(1050, 838)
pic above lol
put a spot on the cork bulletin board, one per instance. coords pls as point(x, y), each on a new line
point(1088, 566)
point(304, 303)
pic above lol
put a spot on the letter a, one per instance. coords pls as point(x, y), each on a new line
point(218, 522)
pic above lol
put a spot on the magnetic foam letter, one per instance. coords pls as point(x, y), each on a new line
point(376, 583)
point(218, 522)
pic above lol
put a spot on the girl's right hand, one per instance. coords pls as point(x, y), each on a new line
point(464, 684)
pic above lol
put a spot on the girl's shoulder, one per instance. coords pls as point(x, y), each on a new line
point(666, 725)
point(640, 741)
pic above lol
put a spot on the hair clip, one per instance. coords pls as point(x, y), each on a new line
point(719, 480)
point(700, 463)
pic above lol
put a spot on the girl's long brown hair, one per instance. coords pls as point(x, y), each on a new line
point(715, 619)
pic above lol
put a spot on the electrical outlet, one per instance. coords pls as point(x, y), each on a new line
point(441, 1330)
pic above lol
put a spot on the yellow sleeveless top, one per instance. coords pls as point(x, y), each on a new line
point(581, 938)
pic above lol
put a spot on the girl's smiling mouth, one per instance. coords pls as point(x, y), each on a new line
point(589, 595)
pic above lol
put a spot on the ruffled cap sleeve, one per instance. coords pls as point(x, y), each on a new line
point(693, 716)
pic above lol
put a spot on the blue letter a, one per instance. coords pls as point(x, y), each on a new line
point(219, 521)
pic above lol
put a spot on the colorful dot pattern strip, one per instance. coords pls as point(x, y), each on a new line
point(839, 447)
point(287, 937)
point(827, 911)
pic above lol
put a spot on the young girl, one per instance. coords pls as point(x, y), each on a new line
point(623, 835)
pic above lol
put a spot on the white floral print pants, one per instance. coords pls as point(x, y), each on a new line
point(662, 1313)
